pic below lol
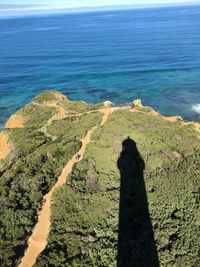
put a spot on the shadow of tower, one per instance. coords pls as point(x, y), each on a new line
point(136, 246)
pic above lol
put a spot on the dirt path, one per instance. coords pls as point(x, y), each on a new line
point(38, 240)
point(106, 112)
point(57, 117)
point(49, 122)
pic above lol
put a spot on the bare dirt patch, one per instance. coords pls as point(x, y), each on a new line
point(59, 96)
point(15, 121)
point(173, 118)
point(176, 154)
point(5, 147)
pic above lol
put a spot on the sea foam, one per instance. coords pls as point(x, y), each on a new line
point(196, 108)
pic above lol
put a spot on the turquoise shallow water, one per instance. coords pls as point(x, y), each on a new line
point(152, 54)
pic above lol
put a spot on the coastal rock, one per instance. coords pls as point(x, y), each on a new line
point(107, 104)
point(137, 103)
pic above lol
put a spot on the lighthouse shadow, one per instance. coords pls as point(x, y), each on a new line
point(136, 246)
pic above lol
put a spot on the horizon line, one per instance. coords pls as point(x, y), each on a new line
point(85, 9)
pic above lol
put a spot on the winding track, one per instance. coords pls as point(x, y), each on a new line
point(38, 239)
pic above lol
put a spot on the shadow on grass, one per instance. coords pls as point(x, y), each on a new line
point(136, 246)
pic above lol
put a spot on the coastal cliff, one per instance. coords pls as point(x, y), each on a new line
point(111, 186)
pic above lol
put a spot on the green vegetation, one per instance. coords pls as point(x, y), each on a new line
point(46, 96)
point(86, 211)
point(75, 123)
point(71, 106)
point(36, 116)
point(29, 172)
point(81, 106)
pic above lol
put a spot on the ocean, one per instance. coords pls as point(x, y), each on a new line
point(152, 54)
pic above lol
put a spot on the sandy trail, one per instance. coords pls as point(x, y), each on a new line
point(49, 122)
point(59, 117)
point(54, 104)
point(106, 112)
point(38, 240)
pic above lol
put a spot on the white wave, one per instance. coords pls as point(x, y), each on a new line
point(196, 108)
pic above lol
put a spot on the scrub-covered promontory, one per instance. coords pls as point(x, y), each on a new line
point(132, 196)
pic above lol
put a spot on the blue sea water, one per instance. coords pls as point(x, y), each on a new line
point(152, 54)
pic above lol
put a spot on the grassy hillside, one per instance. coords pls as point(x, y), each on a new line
point(155, 196)
point(30, 170)
point(133, 200)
